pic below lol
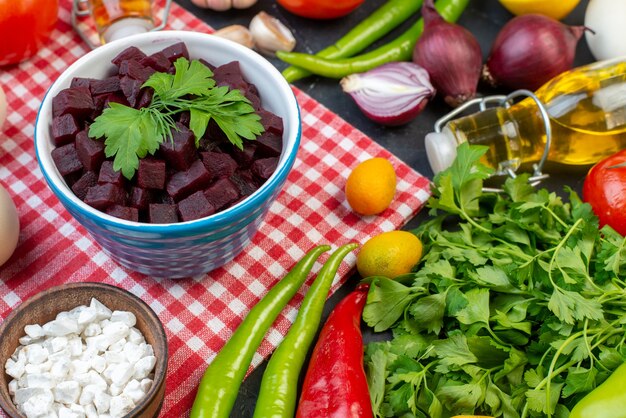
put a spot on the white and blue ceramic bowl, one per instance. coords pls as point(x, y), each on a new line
point(187, 248)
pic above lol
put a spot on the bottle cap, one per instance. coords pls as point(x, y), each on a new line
point(440, 150)
point(126, 27)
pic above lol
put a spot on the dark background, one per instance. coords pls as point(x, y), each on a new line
point(483, 18)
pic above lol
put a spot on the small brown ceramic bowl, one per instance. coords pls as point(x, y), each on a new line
point(44, 307)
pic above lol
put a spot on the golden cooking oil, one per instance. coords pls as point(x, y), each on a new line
point(587, 108)
point(110, 13)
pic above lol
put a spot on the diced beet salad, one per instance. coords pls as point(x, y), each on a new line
point(180, 182)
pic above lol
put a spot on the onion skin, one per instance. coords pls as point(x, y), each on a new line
point(392, 94)
point(450, 54)
point(530, 50)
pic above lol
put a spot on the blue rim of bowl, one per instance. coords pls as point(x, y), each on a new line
point(217, 220)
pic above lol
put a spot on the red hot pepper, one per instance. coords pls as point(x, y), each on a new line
point(335, 385)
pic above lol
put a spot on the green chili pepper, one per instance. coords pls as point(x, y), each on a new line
point(218, 388)
point(400, 49)
point(279, 386)
point(374, 27)
point(607, 400)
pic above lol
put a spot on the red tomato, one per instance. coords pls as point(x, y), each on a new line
point(24, 27)
point(320, 9)
point(605, 190)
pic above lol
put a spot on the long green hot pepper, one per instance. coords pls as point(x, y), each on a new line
point(374, 27)
point(278, 393)
point(220, 383)
point(400, 49)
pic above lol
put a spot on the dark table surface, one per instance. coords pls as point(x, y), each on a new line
point(483, 18)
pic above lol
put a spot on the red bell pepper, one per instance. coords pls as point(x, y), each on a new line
point(335, 385)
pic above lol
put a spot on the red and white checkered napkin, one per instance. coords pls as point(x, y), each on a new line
point(199, 314)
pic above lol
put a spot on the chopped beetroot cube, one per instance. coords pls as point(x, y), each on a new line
point(264, 167)
point(86, 181)
point(158, 61)
point(178, 50)
point(221, 193)
point(139, 198)
point(124, 212)
point(116, 97)
point(151, 174)
point(230, 75)
point(136, 70)
point(244, 157)
point(184, 118)
point(104, 195)
point(81, 82)
point(269, 145)
point(131, 89)
point(162, 213)
point(146, 98)
point(76, 101)
point(64, 129)
point(215, 133)
point(271, 122)
point(130, 53)
point(183, 183)
point(218, 164)
point(245, 182)
point(66, 159)
point(108, 85)
point(180, 152)
point(252, 94)
point(98, 104)
point(90, 151)
point(109, 175)
point(195, 206)
point(207, 64)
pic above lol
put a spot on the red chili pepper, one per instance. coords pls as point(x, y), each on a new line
point(335, 385)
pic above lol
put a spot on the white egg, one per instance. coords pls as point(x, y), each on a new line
point(9, 226)
point(607, 20)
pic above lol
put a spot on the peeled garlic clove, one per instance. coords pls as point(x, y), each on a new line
point(270, 34)
point(236, 33)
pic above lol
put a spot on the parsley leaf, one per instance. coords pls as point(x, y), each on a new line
point(131, 134)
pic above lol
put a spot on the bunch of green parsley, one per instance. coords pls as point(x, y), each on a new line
point(131, 134)
point(518, 308)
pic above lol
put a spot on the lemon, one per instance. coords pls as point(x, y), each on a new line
point(389, 254)
point(556, 9)
point(371, 186)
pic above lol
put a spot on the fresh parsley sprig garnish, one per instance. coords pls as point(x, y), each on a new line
point(132, 134)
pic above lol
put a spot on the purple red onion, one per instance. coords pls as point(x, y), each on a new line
point(450, 54)
point(392, 94)
point(530, 50)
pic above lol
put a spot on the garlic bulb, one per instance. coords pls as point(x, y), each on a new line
point(270, 34)
point(223, 5)
point(236, 33)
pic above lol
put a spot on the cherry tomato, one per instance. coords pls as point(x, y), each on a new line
point(605, 190)
point(24, 27)
point(320, 9)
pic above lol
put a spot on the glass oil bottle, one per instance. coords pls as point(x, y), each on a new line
point(587, 116)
